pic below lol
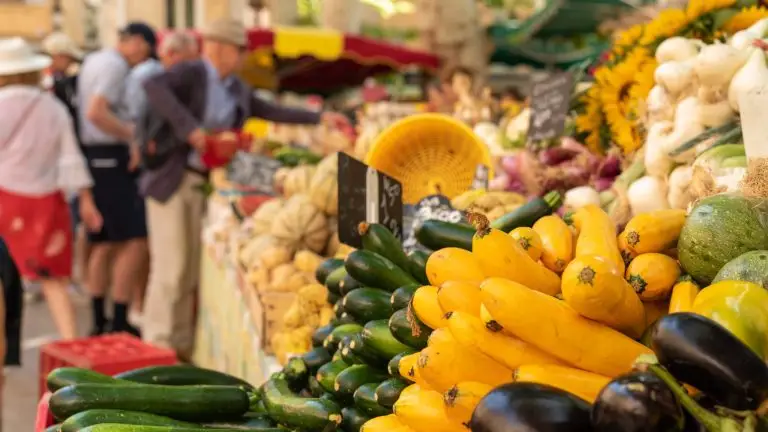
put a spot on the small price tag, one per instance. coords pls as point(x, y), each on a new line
point(550, 103)
point(367, 195)
point(432, 207)
point(254, 171)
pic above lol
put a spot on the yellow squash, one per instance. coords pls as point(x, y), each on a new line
point(556, 242)
point(597, 235)
point(461, 400)
point(409, 370)
point(488, 321)
point(655, 310)
point(655, 231)
point(652, 275)
point(586, 385)
point(501, 256)
point(683, 295)
point(427, 308)
point(459, 296)
point(554, 327)
point(507, 350)
point(529, 240)
point(424, 411)
point(444, 364)
point(627, 254)
point(388, 423)
point(596, 289)
point(453, 264)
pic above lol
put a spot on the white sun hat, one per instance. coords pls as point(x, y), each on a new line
point(16, 56)
point(60, 43)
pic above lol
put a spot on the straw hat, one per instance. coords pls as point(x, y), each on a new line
point(60, 43)
point(227, 31)
point(16, 57)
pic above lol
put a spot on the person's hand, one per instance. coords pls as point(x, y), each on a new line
point(135, 158)
point(197, 140)
point(89, 214)
point(334, 119)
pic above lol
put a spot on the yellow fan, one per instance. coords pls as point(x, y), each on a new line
point(429, 154)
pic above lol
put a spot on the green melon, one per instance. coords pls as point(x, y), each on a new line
point(719, 229)
point(749, 267)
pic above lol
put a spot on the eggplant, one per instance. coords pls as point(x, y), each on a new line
point(526, 407)
point(637, 402)
point(702, 353)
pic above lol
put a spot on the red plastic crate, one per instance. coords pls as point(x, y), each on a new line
point(44, 417)
point(109, 354)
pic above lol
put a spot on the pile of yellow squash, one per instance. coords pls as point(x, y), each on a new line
point(558, 304)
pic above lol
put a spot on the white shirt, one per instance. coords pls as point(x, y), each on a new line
point(43, 156)
point(103, 73)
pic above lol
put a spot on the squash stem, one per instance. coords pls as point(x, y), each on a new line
point(480, 222)
point(362, 228)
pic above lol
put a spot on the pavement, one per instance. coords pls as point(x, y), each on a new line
point(21, 383)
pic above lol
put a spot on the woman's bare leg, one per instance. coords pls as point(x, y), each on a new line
point(60, 304)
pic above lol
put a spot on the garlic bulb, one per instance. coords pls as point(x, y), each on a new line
point(659, 105)
point(716, 64)
point(753, 74)
point(676, 49)
point(675, 76)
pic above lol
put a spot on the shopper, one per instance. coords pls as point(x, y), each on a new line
point(108, 142)
point(193, 96)
point(39, 161)
point(12, 304)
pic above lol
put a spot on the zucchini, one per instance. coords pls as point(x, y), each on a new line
point(707, 134)
point(389, 391)
point(365, 401)
point(91, 417)
point(367, 304)
point(357, 348)
point(259, 423)
point(403, 329)
point(296, 372)
point(53, 428)
point(436, 234)
point(378, 239)
point(333, 298)
point(351, 378)
point(338, 308)
point(331, 343)
point(327, 373)
point(111, 427)
point(417, 265)
point(200, 403)
point(326, 268)
point(348, 284)
point(334, 279)
point(527, 214)
point(258, 408)
point(345, 318)
point(376, 271)
point(347, 354)
point(313, 385)
point(393, 367)
point(181, 375)
point(318, 337)
point(65, 376)
point(315, 358)
point(336, 356)
point(290, 410)
point(352, 420)
point(401, 298)
point(377, 338)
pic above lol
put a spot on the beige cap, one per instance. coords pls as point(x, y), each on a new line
point(60, 43)
point(17, 56)
point(226, 31)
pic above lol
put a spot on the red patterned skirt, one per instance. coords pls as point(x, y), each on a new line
point(38, 232)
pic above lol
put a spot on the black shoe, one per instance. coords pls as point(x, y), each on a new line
point(125, 328)
point(100, 330)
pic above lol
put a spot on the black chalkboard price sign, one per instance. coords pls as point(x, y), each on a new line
point(550, 103)
point(253, 171)
point(432, 207)
point(367, 195)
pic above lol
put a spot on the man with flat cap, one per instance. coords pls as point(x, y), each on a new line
point(192, 97)
point(107, 137)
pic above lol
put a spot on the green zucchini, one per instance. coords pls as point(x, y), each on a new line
point(367, 304)
point(378, 239)
point(348, 284)
point(258, 423)
point(352, 419)
point(417, 265)
point(334, 279)
point(345, 318)
point(365, 401)
point(326, 268)
point(313, 385)
point(351, 378)
point(181, 375)
point(436, 234)
point(347, 354)
point(53, 428)
point(315, 358)
point(336, 356)
point(374, 270)
point(707, 134)
point(258, 408)
point(65, 376)
point(318, 337)
point(110, 427)
point(389, 391)
point(327, 373)
point(357, 349)
point(287, 409)
point(527, 214)
point(296, 372)
point(338, 308)
point(402, 329)
point(331, 343)
point(200, 403)
point(333, 298)
point(91, 417)
point(378, 339)
point(401, 298)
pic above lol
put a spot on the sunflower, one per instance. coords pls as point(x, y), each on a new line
point(744, 19)
point(626, 40)
point(697, 8)
point(668, 23)
point(591, 120)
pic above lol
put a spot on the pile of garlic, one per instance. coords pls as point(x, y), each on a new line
point(698, 87)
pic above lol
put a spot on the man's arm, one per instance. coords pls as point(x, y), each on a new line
point(109, 86)
point(163, 101)
point(279, 114)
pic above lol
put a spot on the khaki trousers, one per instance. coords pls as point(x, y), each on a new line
point(174, 248)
